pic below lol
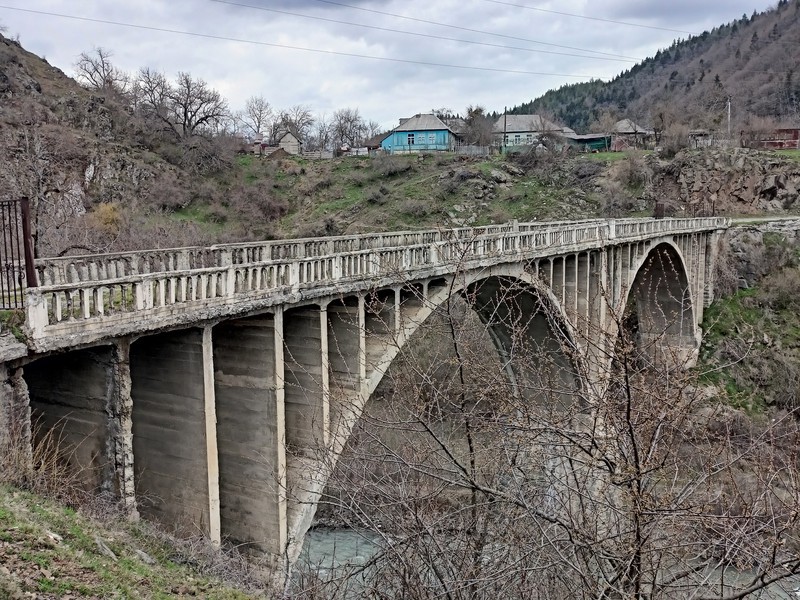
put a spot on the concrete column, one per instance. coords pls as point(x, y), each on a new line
point(583, 292)
point(119, 408)
point(345, 356)
point(15, 422)
point(362, 346)
point(712, 247)
point(248, 384)
point(212, 456)
point(325, 375)
point(174, 431)
point(558, 279)
point(307, 417)
point(379, 319)
point(570, 301)
point(398, 321)
point(282, 467)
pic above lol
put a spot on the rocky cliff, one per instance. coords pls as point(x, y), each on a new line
point(721, 181)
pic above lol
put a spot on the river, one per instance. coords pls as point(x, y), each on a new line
point(332, 553)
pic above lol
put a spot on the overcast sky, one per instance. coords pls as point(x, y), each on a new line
point(489, 52)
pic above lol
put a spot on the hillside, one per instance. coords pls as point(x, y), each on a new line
point(103, 177)
point(48, 550)
point(752, 60)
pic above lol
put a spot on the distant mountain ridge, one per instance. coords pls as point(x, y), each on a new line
point(752, 61)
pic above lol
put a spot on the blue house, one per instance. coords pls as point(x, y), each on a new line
point(420, 133)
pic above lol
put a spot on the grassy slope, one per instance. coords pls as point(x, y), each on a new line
point(360, 194)
point(751, 344)
point(51, 550)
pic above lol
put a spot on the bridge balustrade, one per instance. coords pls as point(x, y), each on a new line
point(128, 285)
point(94, 267)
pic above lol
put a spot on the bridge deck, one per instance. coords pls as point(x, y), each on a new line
point(87, 298)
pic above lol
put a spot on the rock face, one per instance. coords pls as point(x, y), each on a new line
point(739, 181)
point(759, 248)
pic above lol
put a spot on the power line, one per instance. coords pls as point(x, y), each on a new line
point(298, 48)
point(416, 34)
point(601, 19)
point(480, 31)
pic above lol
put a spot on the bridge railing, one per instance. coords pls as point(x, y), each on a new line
point(96, 267)
point(130, 298)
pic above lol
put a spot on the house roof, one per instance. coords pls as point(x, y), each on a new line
point(282, 133)
point(457, 125)
point(425, 122)
point(628, 126)
point(524, 124)
point(375, 140)
point(584, 137)
point(285, 129)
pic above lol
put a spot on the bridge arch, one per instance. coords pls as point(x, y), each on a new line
point(532, 336)
point(659, 311)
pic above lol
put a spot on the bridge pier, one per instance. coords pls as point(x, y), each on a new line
point(174, 431)
point(248, 383)
point(307, 395)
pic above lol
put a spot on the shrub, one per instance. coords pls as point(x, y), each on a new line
point(782, 289)
point(378, 196)
point(415, 208)
point(257, 202)
point(388, 166)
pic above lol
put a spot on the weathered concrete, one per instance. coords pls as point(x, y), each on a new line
point(63, 315)
point(306, 402)
point(171, 442)
point(69, 396)
point(119, 409)
point(15, 423)
point(250, 434)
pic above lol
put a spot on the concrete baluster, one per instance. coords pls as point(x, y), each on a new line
point(36, 312)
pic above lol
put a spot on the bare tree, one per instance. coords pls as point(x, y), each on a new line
point(257, 115)
point(95, 70)
point(152, 93)
point(480, 127)
point(194, 106)
point(321, 138)
point(371, 129)
point(348, 127)
point(473, 485)
point(298, 117)
point(605, 124)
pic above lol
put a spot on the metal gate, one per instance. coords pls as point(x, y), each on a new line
point(16, 253)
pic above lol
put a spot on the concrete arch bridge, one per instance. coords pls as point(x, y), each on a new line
point(198, 385)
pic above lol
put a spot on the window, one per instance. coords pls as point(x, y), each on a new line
point(529, 138)
point(517, 139)
point(410, 139)
point(431, 138)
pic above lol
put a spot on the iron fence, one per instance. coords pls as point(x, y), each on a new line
point(16, 253)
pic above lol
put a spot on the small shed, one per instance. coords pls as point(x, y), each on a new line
point(289, 141)
point(628, 135)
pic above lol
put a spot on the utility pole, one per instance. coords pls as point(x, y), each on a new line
point(730, 141)
point(503, 143)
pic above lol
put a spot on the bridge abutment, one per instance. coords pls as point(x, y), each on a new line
point(70, 398)
point(16, 456)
